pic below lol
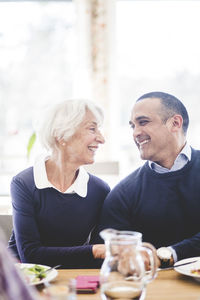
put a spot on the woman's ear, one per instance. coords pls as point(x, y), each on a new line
point(60, 142)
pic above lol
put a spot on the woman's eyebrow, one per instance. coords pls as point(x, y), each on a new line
point(92, 123)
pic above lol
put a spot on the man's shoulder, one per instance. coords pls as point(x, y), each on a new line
point(195, 159)
point(195, 153)
point(132, 180)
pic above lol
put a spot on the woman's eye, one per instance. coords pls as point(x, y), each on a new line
point(92, 129)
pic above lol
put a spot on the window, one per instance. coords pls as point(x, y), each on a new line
point(157, 50)
point(38, 60)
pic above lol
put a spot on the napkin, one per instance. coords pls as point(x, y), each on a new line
point(87, 283)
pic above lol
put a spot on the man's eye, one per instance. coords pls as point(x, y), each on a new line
point(142, 123)
point(92, 129)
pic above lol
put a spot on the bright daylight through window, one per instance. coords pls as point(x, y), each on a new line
point(155, 47)
point(38, 59)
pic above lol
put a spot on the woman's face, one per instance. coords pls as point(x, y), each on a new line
point(81, 147)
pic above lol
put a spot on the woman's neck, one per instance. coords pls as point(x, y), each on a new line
point(60, 172)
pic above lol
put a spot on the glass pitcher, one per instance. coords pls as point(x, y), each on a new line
point(123, 275)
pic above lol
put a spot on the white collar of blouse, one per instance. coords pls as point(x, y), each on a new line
point(41, 181)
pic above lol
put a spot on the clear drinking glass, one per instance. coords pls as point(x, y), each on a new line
point(61, 291)
point(123, 274)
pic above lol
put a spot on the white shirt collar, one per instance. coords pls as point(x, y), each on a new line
point(181, 160)
point(41, 180)
point(187, 151)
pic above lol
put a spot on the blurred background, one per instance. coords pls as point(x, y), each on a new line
point(110, 51)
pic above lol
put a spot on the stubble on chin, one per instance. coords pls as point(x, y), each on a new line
point(142, 155)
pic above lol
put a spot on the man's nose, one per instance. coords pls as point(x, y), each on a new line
point(136, 131)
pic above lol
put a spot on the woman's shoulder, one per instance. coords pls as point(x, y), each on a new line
point(25, 176)
point(98, 182)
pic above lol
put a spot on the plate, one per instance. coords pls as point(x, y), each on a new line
point(187, 269)
point(50, 275)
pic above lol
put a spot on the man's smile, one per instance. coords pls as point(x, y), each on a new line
point(140, 143)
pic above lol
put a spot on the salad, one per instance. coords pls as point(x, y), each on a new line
point(33, 273)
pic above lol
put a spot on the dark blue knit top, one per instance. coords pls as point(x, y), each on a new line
point(165, 208)
point(51, 227)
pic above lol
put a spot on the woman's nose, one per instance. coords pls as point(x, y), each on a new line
point(100, 138)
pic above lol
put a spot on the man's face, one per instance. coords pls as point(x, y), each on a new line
point(151, 134)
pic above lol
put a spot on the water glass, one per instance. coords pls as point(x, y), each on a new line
point(61, 291)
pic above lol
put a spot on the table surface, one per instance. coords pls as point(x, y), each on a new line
point(169, 285)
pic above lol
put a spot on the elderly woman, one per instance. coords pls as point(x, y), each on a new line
point(56, 203)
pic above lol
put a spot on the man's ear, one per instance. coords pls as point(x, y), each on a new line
point(177, 123)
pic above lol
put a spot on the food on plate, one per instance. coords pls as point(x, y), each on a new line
point(195, 272)
point(33, 273)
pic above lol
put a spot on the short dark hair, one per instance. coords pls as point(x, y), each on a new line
point(170, 106)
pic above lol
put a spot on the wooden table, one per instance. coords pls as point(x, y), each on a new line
point(169, 285)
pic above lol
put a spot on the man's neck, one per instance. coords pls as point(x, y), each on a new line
point(181, 159)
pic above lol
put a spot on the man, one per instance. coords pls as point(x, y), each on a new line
point(161, 199)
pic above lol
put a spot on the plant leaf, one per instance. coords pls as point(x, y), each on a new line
point(31, 142)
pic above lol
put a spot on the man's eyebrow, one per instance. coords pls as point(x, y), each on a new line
point(142, 118)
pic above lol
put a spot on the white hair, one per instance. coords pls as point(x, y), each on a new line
point(61, 121)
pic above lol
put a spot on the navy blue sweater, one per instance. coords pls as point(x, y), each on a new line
point(165, 208)
point(51, 227)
